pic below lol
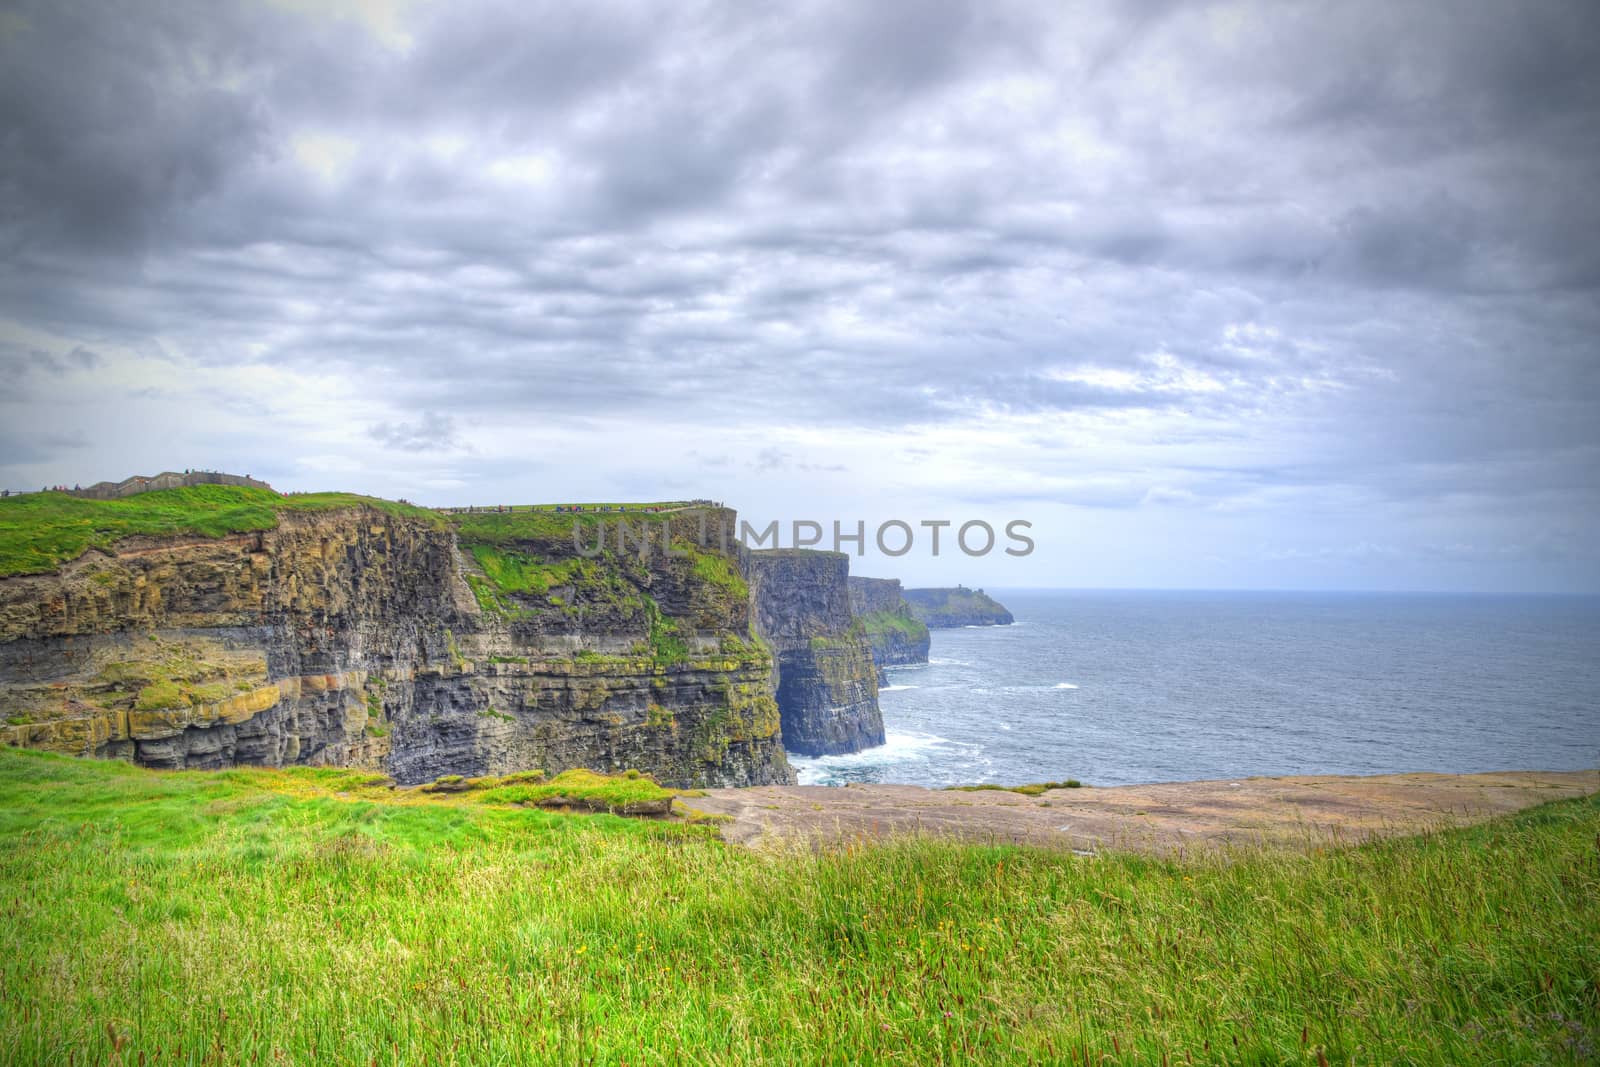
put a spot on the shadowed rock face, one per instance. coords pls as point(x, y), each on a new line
point(896, 636)
point(363, 638)
point(960, 606)
point(827, 683)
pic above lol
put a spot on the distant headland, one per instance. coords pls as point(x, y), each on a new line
point(944, 609)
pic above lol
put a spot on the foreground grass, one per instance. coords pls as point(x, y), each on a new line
point(310, 917)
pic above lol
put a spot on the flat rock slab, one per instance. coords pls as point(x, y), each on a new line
point(1281, 812)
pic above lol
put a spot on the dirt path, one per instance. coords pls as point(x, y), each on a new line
point(1147, 818)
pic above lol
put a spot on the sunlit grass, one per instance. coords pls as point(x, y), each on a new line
point(314, 916)
point(40, 531)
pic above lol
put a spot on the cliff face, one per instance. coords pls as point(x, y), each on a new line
point(827, 684)
point(947, 608)
point(365, 637)
point(895, 635)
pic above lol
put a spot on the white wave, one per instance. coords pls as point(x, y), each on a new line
point(1003, 725)
point(940, 661)
point(896, 748)
point(1026, 688)
point(895, 688)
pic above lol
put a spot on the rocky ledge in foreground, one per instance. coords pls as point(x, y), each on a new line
point(1297, 812)
point(944, 609)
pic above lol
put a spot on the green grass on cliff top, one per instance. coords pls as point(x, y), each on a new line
point(882, 622)
point(41, 531)
point(305, 916)
point(543, 523)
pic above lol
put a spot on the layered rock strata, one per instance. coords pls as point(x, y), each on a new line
point(392, 639)
point(827, 683)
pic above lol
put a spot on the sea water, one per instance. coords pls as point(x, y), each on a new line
point(1120, 687)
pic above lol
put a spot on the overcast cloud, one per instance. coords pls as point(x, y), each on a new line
point(1276, 294)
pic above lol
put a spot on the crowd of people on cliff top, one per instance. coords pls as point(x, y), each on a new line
point(46, 489)
point(575, 509)
point(564, 509)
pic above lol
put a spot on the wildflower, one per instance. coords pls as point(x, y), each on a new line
point(582, 949)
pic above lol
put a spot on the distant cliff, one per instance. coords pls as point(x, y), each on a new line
point(827, 682)
point(215, 625)
point(942, 609)
point(896, 635)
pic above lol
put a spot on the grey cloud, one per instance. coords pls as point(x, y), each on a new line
point(430, 433)
point(17, 449)
point(771, 459)
point(108, 135)
point(1365, 236)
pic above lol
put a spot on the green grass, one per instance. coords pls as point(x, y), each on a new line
point(667, 647)
point(545, 525)
point(517, 572)
point(312, 916)
point(882, 622)
point(1032, 789)
point(612, 792)
point(41, 531)
point(720, 572)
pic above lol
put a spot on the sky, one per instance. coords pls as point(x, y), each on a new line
point(1213, 295)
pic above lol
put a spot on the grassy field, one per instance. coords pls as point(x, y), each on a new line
point(312, 917)
point(40, 531)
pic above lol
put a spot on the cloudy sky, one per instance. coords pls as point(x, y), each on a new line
point(1293, 295)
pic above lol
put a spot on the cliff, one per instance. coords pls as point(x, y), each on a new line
point(942, 609)
point(827, 684)
point(895, 635)
point(220, 625)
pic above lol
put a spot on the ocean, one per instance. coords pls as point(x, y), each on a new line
point(1123, 687)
